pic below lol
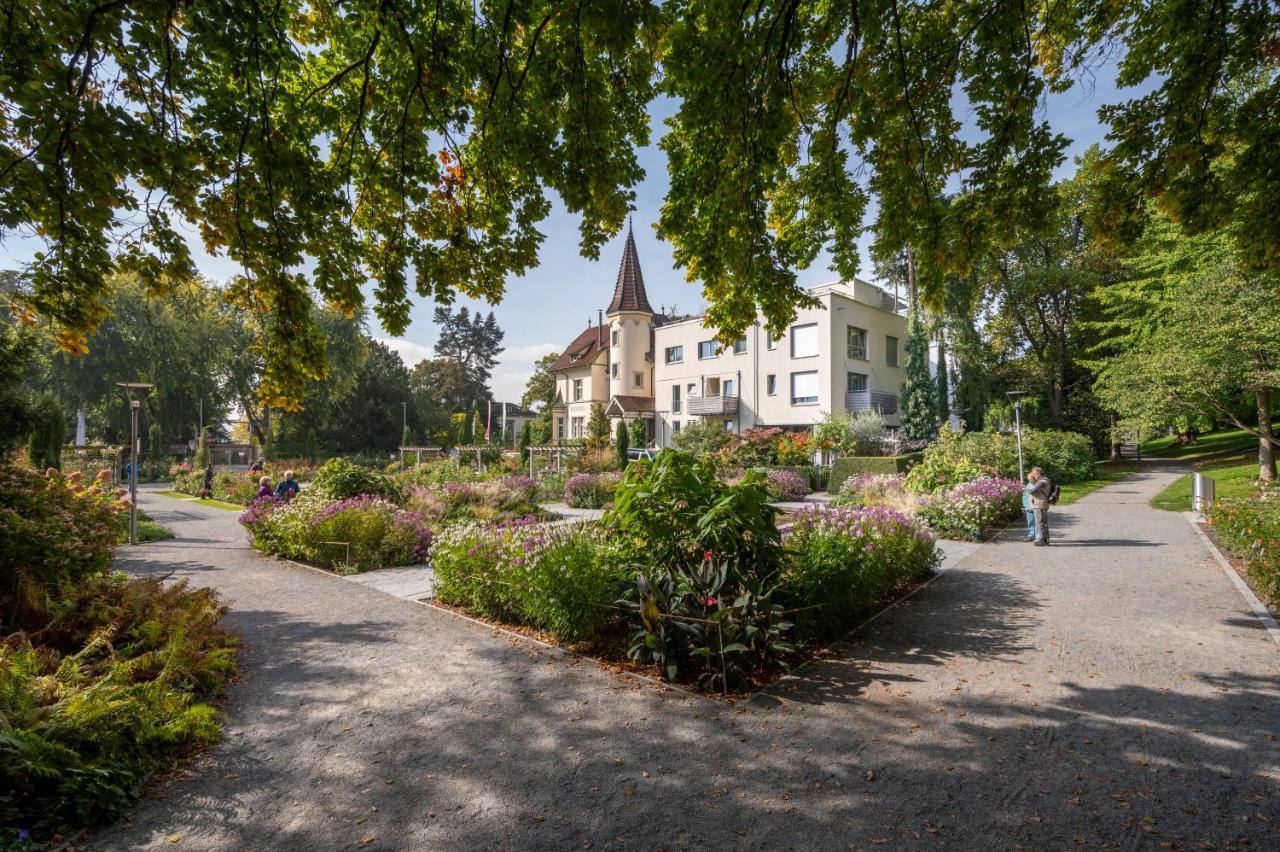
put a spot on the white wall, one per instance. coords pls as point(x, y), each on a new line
point(632, 331)
point(838, 310)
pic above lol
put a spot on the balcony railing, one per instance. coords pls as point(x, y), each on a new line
point(713, 405)
point(885, 403)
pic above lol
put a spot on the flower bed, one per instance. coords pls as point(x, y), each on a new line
point(591, 490)
point(786, 485)
point(494, 500)
point(360, 533)
point(971, 509)
point(1249, 529)
point(842, 561)
point(557, 579)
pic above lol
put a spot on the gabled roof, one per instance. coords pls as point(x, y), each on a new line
point(623, 405)
point(628, 293)
point(583, 350)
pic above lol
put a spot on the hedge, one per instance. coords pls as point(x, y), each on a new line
point(848, 466)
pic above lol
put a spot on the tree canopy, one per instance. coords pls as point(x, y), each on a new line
point(323, 145)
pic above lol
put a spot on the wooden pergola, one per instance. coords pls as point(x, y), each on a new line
point(438, 451)
point(555, 454)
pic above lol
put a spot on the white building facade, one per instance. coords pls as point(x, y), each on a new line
point(846, 354)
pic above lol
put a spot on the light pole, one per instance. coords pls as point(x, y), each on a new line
point(1016, 398)
point(135, 405)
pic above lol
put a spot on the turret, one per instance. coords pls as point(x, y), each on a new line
point(630, 323)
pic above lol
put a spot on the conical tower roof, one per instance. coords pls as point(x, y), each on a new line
point(628, 293)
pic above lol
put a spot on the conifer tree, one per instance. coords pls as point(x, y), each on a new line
point(919, 395)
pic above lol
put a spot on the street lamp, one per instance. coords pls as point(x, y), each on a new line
point(135, 405)
point(1016, 398)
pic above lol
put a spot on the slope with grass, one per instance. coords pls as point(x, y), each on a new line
point(1223, 441)
point(1232, 478)
point(1108, 472)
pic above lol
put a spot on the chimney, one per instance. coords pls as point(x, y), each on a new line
point(599, 317)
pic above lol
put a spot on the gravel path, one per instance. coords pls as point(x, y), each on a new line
point(1112, 689)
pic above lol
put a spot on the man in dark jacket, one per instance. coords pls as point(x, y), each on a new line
point(1038, 489)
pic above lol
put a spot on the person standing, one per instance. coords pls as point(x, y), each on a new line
point(207, 491)
point(1038, 491)
point(1031, 516)
point(287, 489)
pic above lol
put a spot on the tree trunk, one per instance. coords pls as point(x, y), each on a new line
point(1115, 440)
point(1266, 452)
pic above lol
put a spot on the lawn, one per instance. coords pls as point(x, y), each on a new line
point(1108, 472)
point(1209, 444)
point(149, 530)
point(1233, 478)
point(178, 495)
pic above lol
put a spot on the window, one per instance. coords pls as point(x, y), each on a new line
point(639, 379)
point(577, 390)
point(740, 346)
point(675, 426)
point(613, 369)
point(675, 399)
point(856, 382)
point(674, 354)
point(560, 428)
point(771, 384)
point(857, 338)
point(728, 425)
point(804, 388)
point(613, 337)
point(576, 426)
point(804, 340)
point(728, 388)
point(891, 351)
point(771, 342)
point(707, 349)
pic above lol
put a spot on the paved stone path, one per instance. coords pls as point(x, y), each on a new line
point(1110, 690)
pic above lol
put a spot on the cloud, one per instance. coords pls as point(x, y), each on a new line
point(411, 353)
point(510, 375)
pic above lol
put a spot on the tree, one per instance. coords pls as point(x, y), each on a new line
point(155, 444)
point(789, 117)
point(542, 384)
point(943, 392)
point(369, 417)
point(597, 427)
point(445, 384)
point(406, 437)
point(620, 444)
point(48, 433)
point(370, 140)
point(919, 403)
point(639, 433)
point(16, 349)
point(1192, 333)
point(526, 440)
point(201, 458)
point(472, 341)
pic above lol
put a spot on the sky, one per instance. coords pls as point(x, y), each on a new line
point(546, 308)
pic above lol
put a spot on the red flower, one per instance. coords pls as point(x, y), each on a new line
point(708, 556)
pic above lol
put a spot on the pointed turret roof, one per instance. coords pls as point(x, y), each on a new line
point(628, 293)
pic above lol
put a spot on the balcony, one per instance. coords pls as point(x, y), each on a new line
point(885, 403)
point(713, 406)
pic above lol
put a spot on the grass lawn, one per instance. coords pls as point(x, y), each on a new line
point(1233, 478)
point(177, 495)
point(1108, 472)
point(149, 530)
point(1209, 444)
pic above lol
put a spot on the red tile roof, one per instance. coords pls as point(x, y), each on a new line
point(583, 349)
point(628, 293)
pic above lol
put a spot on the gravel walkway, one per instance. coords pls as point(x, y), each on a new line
point(1112, 689)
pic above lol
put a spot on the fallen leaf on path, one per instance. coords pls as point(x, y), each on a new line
point(175, 838)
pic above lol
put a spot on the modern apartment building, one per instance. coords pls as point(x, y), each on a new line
point(845, 354)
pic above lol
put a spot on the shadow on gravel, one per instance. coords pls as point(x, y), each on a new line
point(1106, 542)
point(980, 614)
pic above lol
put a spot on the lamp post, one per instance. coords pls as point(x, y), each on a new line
point(135, 405)
point(1016, 398)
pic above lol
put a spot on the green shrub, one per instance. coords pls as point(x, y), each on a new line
point(565, 581)
point(958, 457)
point(705, 557)
point(339, 479)
point(493, 500)
point(851, 433)
point(841, 562)
point(53, 533)
point(470, 562)
point(702, 438)
point(48, 432)
point(847, 466)
point(1250, 530)
point(111, 689)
